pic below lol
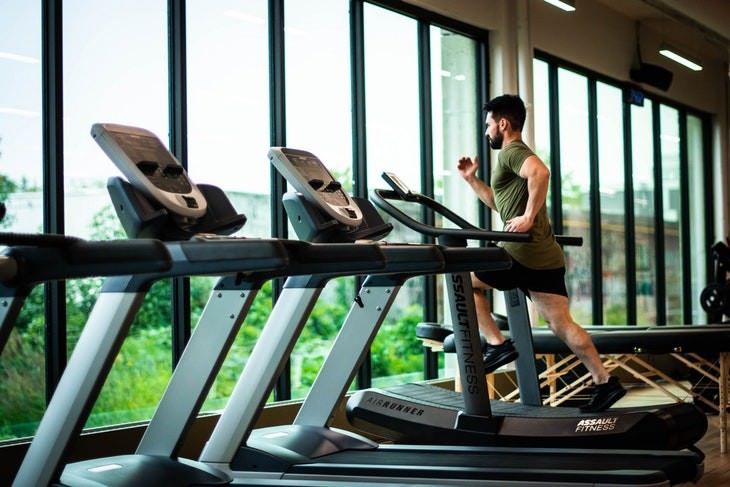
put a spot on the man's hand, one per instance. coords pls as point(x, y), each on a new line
point(468, 168)
point(518, 224)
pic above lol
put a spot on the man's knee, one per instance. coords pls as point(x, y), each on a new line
point(573, 334)
point(478, 284)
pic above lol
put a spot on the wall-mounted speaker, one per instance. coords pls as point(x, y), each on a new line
point(652, 75)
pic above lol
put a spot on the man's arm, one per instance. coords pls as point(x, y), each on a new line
point(538, 178)
point(468, 170)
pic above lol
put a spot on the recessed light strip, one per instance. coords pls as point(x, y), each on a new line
point(17, 57)
point(678, 58)
point(567, 5)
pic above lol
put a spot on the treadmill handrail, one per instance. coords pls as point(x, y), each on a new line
point(37, 239)
point(47, 257)
point(380, 197)
point(466, 231)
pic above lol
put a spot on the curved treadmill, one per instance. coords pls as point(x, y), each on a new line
point(511, 424)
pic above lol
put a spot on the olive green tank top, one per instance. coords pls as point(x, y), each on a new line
point(510, 196)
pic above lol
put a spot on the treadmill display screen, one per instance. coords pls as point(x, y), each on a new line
point(154, 161)
point(319, 179)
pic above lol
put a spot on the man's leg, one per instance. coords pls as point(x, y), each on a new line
point(487, 325)
point(499, 350)
point(555, 309)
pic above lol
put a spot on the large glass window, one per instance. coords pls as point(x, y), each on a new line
point(613, 211)
point(112, 75)
point(318, 115)
point(541, 111)
point(228, 139)
point(575, 184)
point(227, 103)
point(21, 364)
point(391, 95)
point(318, 119)
point(667, 244)
point(697, 214)
point(392, 115)
point(455, 111)
point(672, 212)
point(455, 107)
point(642, 149)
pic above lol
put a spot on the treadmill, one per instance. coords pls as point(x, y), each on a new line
point(527, 423)
point(309, 450)
point(167, 208)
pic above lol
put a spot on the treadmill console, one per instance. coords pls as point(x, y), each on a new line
point(149, 166)
point(306, 173)
point(398, 186)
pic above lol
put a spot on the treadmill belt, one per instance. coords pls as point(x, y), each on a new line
point(446, 398)
point(440, 397)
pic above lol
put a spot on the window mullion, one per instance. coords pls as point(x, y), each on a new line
point(629, 220)
point(181, 324)
point(661, 288)
point(685, 240)
point(53, 191)
point(595, 206)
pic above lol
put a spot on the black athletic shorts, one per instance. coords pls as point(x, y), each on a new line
point(551, 281)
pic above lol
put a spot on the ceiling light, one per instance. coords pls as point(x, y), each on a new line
point(17, 57)
point(567, 5)
point(682, 59)
point(20, 112)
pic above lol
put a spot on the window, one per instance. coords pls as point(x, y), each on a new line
point(21, 183)
point(613, 211)
point(671, 212)
point(392, 110)
point(318, 119)
point(698, 214)
point(392, 114)
point(456, 110)
point(645, 243)
point(541, 112)
point(227, 104)
point(115, 70)
point(575, 183)
point(655, 242)
point(318, 86)
point(227, 140)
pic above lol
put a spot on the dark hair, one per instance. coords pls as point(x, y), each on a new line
point(510, 107)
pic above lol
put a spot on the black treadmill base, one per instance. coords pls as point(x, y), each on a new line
point(669, 427)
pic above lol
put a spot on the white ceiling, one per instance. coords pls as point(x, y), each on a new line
point(707, 18)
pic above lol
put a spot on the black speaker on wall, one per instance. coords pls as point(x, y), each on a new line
point(652, 75)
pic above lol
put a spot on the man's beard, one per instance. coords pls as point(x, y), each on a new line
point(496, 142)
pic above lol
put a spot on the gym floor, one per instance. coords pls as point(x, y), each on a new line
point(717, 465)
